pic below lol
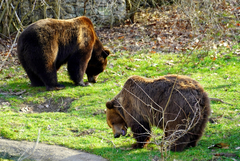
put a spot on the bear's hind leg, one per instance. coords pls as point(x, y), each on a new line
point(34, 78)
point(142, 134)
point(50, 81)
point(49, 78)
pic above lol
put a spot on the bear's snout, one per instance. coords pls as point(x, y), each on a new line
point(119, 131)
point(123, 133)
point(92, 79)
point(116, 135)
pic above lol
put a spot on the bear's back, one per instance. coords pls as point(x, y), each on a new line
point(162, 84)
point(62, 31)
point(159, 93)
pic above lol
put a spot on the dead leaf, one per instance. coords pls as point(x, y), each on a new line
point(121, 37)
point(86, 132)
point(170, 62)
point(225, 154)
point(227, 57)
point(73, 130)
point(219, 145)
point(129, 68)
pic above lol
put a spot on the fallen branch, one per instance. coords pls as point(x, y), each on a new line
point(14, 93)
point(219, 100)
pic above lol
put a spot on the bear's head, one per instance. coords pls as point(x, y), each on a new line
point(115, 118)
point(96, 65)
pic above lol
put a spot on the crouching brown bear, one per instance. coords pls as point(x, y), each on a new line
point(49, 43)
point(177, 104)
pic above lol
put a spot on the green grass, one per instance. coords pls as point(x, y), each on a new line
point(84, 126)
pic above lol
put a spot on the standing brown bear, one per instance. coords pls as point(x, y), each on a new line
point(49, 43)
point(176, 104)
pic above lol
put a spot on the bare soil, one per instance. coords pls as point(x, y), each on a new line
point(61, 105)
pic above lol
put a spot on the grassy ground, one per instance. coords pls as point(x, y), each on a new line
point(76, 118)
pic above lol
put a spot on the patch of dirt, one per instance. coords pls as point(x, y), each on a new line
point(98, 112)
point(4, 104)
point(61, 105)
point(86, 132)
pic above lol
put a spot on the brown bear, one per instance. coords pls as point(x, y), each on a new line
point(49, 43)
point(177, 104)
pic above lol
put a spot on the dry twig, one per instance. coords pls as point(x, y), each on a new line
point(22, 157)
point(220, 100)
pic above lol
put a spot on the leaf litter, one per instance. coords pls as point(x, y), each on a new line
point(169, 29)
point(166, 29)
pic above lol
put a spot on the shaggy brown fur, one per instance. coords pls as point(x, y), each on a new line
point(143, 102)
point(49, 43)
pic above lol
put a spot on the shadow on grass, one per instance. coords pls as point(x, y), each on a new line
point(26, 86)
point(222, 86)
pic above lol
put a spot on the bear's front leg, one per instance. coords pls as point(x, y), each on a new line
point(81, 83)
point(142, 134)
point(76, 68)
point(180, 144)
point(141, 143)
point(49, 77)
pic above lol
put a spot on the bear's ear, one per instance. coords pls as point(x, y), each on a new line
point(109, 105)
point(105, 52)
